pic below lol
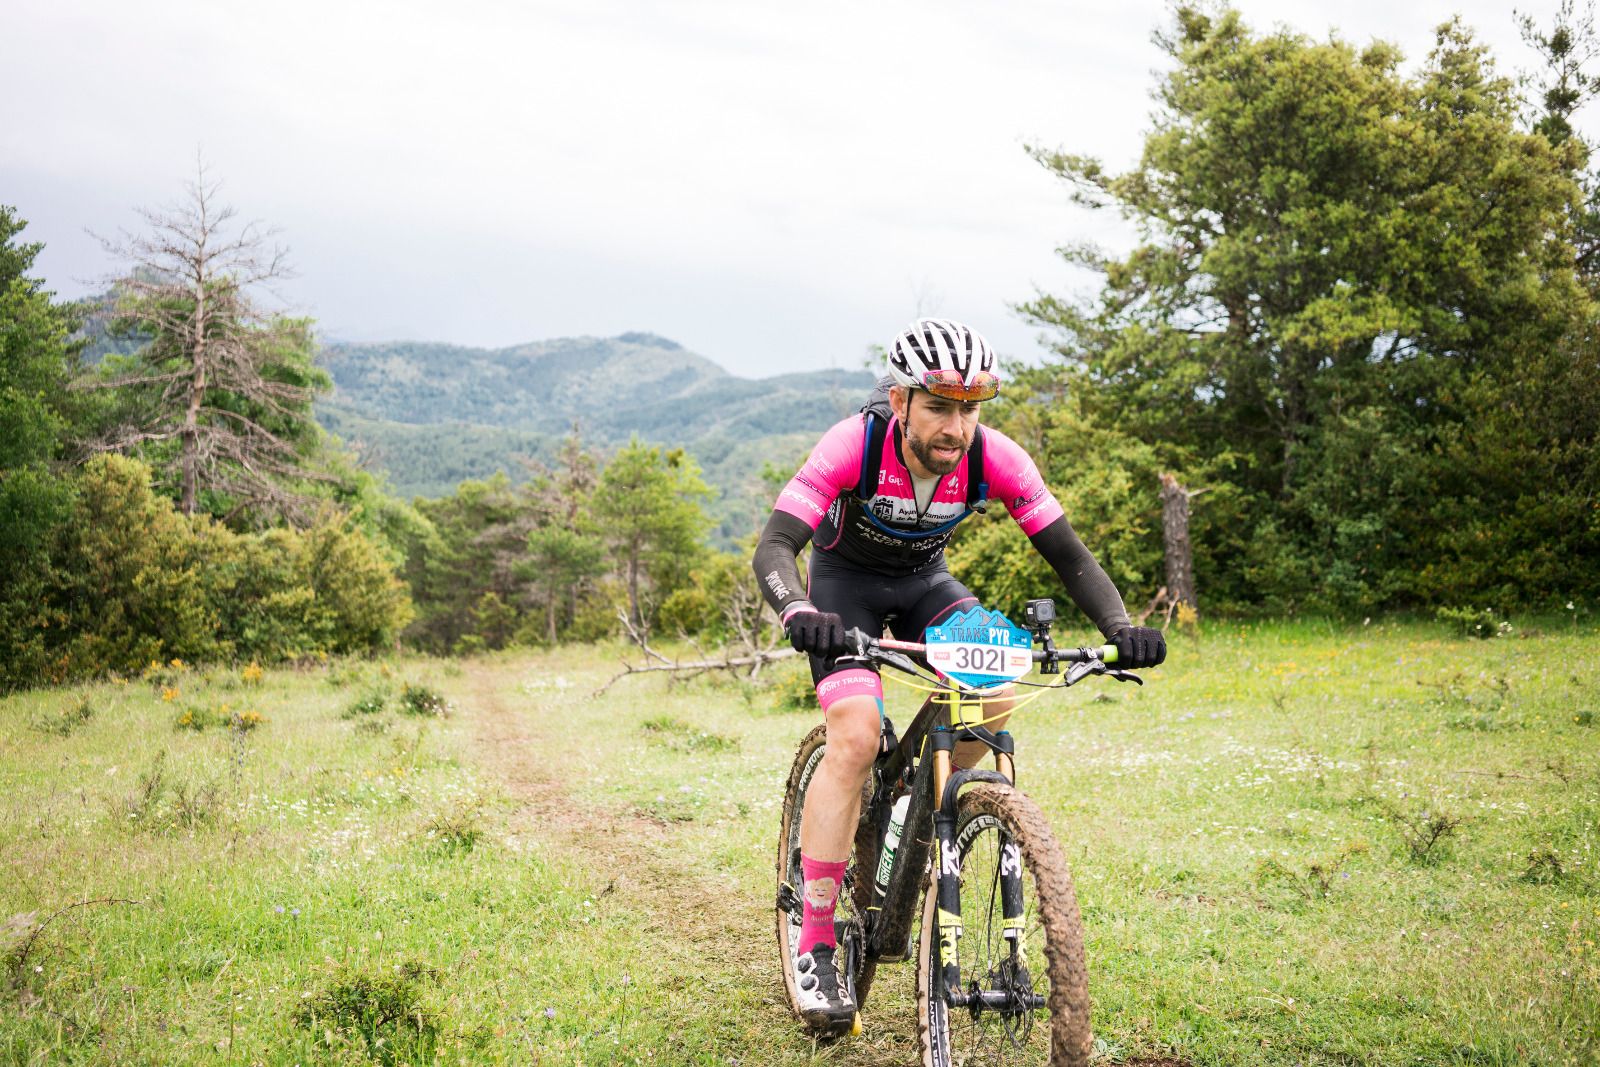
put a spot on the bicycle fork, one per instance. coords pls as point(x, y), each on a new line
point(1014, 996)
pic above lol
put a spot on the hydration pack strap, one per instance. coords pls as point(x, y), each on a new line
point(977, 488)
point(877, 429)
point(877, 433)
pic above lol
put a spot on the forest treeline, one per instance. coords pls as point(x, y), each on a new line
point(1359, 323)
point(176, 499)
point(1360, 316)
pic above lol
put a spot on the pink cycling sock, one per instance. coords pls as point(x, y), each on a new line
point(817, 900)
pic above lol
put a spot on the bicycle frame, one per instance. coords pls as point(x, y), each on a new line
point(920, 761)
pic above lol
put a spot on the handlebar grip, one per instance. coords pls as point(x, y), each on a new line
point(1107, 654)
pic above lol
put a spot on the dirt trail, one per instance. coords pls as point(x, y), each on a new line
point(699, 926)
point(627, 849)
point(698, 921)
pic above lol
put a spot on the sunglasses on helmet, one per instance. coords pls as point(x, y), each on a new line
point(950, 385)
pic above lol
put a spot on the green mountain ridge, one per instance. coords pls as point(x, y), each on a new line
point(432, 415)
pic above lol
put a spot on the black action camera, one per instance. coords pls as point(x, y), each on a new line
point(1039, 614)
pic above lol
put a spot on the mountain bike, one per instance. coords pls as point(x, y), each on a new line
point(999, 949)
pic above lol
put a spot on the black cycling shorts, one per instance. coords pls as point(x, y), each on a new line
point(870, 601)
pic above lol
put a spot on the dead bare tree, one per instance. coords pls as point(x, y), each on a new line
point(1175, 538)
point(226, 381)
point(1179, 555)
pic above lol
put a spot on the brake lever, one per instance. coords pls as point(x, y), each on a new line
point(895, 659)
point(1081, 670)
point(1125, 676)
point(858, 647)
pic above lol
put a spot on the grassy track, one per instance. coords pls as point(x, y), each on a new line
point(1297, 845)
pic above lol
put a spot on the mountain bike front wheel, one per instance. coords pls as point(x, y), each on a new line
point(1025, 997)
point(854, 895)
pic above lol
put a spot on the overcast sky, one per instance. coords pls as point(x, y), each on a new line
point(774, 185)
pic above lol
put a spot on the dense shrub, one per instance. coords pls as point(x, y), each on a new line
point(123, 579)
point(32, 505)
point(720, 591)
point(128, 585)
point(360, 602)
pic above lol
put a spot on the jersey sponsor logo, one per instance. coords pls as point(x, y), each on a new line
point(807, 482)
point(883, 508)
point(809, 504)
point(779, 590)
point(942, 511)
point(889, 478)
point(865, 531)
point(924, 549)
point(1025, 500)
point(1036, 509)
point(822, 464)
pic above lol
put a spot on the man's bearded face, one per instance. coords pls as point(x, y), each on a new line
point(939, 431)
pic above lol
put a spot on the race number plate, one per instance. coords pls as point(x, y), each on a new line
point(979, 648)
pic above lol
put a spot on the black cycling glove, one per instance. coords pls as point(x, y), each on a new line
point(1139, 646)
point(820, 633)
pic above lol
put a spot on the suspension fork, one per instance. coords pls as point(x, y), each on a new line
point(947, 866)
point(1010, 854)
point(946, 860)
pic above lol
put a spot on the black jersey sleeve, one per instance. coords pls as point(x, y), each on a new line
point(774, 561)
point(1086, 581)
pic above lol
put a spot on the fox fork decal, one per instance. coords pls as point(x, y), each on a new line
point(1011, 892)
point(949, 898)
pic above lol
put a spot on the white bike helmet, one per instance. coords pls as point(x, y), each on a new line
point(945, 358)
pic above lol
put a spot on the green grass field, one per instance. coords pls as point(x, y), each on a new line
point(1299, 844)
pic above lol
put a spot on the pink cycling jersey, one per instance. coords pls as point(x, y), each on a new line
point(887, 532)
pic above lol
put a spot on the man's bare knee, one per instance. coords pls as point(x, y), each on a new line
point(853, 729)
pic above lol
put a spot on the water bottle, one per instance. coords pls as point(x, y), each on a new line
point(891, 841)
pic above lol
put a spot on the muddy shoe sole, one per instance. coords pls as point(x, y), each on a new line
point(838, 1025)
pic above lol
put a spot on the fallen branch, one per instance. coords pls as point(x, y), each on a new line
point(1156, 603)
point(754, 661)
point(639, 639)
point(1502, 774)
point(19, 964)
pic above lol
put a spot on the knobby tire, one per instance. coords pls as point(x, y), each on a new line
point(951, 1036)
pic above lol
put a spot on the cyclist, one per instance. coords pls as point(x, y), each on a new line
point(879, 497)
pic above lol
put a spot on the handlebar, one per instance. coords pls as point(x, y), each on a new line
point(860, 643)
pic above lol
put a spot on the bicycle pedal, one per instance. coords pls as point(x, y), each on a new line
point(827, 1026)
